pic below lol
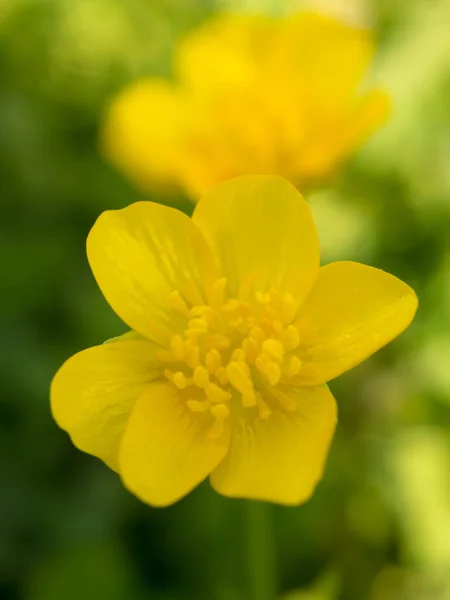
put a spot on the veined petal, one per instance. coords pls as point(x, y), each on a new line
point(165, 451)
point(143, 130)
point(352, 311)
point(94, 391)
point(262, 231)
point(139, 255)
point(280, 459)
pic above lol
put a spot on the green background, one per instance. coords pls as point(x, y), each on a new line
point(378, 527)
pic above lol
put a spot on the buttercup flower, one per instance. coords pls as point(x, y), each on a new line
point(251, 95)
point(235, 332)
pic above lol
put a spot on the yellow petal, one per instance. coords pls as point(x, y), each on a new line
point(353, 310)
point(280, 459)
point(226, 51)
point(327, 57)
point(140, 255)
point(94, 391)
point(129, 335)
point(263, 233)
point(166, 451)
point(142, 131)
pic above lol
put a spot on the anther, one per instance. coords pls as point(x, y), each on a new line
point(216, 394)
point(218, 290)
point(291, 338)
point(213, 360)
point(221, 375)
point(220, 342)
point(179, 379)
point(288, 308)
point(201, 377)
point(268, 368)
point(198, 405)
point(192, 354)
point(177, 345)
point(239, 377)
point(294, 366)
point(274, 349)
point(251, 350)
point(262, 298)
point(197, 326)
point(238, 355)
point(264, 411)
point(221, 412)
point(178, 303)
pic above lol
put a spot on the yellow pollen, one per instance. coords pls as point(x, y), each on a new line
point(274, 349)
point(228, 348)
point(239, 377)
point(178, 303)
point(291, 338)
point(267, 367)
point(201, 377)
point(216, 393)
point(198, 405)
point(213, 360)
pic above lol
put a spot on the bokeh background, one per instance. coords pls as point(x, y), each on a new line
point(378, 527)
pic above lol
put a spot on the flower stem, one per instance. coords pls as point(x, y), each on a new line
point(260, 551)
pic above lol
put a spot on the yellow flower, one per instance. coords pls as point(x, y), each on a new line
point(251, 95)
point(235, 332)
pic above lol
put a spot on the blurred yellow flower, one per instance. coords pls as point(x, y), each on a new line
point(235, 332)
point(252, 95)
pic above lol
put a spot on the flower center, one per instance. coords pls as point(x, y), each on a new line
point(230, 351)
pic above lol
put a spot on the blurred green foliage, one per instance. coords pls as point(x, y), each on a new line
point(378, 527)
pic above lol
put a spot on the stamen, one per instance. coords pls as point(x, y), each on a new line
point(218, 290)
point(294, 366)
point(251, 350)
point(220, 342)
point(178, 303)
point(267, 367)
point(177, 345)
point(274, 349)
point(221, 375)
point(264, 411)
point(291, 338)
point(180, 380)
point(216, 394)
point(201, 377)
point(238, 376)
point(198, 405)
point(221, 412)
point(213, 360)
point(197, 326)
point(289, 308)
point(192, 354)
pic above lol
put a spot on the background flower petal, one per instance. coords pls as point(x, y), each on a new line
point(94, 391)
point(139, 255)
point(165, 451)
point(263, 234)
point(281, 459)
point(142, 131)
point(351, 312)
